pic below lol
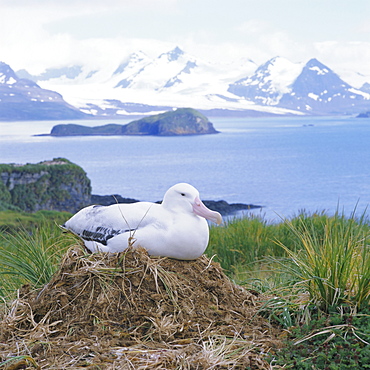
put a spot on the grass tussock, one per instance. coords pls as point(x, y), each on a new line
point(30, 256)
point(332, 261)
point(325, 258)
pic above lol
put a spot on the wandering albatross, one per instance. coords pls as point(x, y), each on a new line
point(177, 228)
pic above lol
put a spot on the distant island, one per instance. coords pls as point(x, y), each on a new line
point(182, 121)
point(221, 206)
point(364, 115)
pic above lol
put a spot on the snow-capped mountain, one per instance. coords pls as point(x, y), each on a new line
point(172, 79)
point(311, 88)
point(129, 69)
point(140, 84)
point(269, 82)
point(320, 90)
point(24, 99)
point(140, 72)
point(365, 87)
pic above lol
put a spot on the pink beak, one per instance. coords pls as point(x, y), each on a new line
point(201, 210)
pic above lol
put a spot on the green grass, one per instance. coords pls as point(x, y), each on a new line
point(314, 268)
point(13, 221)
point(326, 256)
point(332, 260)
point(242, 243)
point(30, 255)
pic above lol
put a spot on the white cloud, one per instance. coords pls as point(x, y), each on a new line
point(345, 58)
point(254, 27)
point(38, 34)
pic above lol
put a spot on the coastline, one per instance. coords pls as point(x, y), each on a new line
point(221, 206)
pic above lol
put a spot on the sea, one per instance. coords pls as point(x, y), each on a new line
point(286, 165)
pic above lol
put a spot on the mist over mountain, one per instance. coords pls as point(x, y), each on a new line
point(141, 85)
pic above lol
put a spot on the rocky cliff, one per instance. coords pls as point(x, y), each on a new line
point(53, 185)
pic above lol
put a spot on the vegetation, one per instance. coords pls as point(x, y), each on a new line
point(13, 221)
point(339, 341)
point(314, 270)
point(30, 255)
point(80, 130)
point(45, 185)
point(182, 121)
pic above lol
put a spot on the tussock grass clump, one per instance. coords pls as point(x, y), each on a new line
point(30, 256)
point(243, 243)
point(331, 260)
point(130, 311)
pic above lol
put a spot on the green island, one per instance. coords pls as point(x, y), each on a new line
point(182, 121)
point(288, 295)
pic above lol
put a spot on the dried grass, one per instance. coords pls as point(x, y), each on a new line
point(130, 311)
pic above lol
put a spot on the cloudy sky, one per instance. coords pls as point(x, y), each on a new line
point(35, 34)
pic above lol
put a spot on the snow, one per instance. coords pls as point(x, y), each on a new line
point(319, 70)
point(5, 80)
point(273, 79)
point(89, 111)
point(359, 92)
point(282, 74)
point(11, 81)
point(178, 79)
point(313, 96)
point(354, 78)
point(172, 79)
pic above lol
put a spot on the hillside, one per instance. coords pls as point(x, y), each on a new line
point(23, 99)
point(50, 185)
point(311, 88)
point(182, 121)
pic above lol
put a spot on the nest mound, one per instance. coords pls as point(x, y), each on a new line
point(130, 311)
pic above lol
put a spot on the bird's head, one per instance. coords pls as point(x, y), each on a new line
point(186, 197)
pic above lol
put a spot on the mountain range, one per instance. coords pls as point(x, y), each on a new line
point(140, 85)
point(311, 88)
point(23, 99)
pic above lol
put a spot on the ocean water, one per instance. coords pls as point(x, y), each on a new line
point(285, 164)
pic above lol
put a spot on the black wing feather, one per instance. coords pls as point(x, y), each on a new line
point(101, 234)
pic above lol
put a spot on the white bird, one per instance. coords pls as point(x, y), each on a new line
point(177, 228)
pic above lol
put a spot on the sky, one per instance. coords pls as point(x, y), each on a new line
point(37, 34)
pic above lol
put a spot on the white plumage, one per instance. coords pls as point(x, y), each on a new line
point(177, 228)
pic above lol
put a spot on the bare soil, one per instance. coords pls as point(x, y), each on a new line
point(130, 311)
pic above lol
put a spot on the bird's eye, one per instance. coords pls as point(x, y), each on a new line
point(182, 194)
